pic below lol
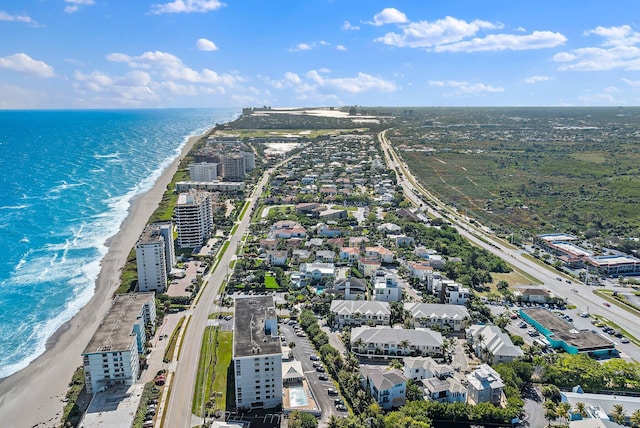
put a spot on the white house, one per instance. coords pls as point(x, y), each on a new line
point(423, 271)
point(349, 253)
point(277, 257)
point(384, 340)
point(318, 271)
point(444, 390)
point(389, 228)
point(435, 315)
point(492, 345)
point(368, 267)
point(385, 287)
point(357, 312)
point(418, 368)
point(484, 385)
point(454, 293)
point(387, 386)
point(352, 288)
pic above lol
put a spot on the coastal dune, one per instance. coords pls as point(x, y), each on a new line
point(33, 396)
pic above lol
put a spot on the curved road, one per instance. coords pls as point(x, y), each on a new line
point(584, 297)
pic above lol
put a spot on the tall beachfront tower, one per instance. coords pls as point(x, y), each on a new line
point(155, 256)
point(203, 171)
point(113, 354)
point(194, 218)
point(234, 167)
point(257, 353)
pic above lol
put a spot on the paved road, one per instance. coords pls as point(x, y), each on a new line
point(584, 297)
point(178, 408)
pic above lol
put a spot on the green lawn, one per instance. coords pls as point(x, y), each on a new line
point(225, 345)
point(202, 391)
point(270, 282)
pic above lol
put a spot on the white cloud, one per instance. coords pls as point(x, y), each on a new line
point(76, 4)
point(500, 42)
point(347, 26)
point(4, 16)
point(206, 45)
point(171, 67)
point(537, 79)
point(618, 50)
point(388, 15)
point(360, 83)
point(23, 63)
point(634, 83)
point(292, 78)
point(593, 99)
point(341, 48)
point(187, 6)
point(425, 34)
point(462, 87)
point(301, 47)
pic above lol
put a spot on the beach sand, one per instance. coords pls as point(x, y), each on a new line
point(33, 396)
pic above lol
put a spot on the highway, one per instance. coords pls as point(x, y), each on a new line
point(178, 405)
point(583, 297)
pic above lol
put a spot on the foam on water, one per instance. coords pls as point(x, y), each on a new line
point(77, 173)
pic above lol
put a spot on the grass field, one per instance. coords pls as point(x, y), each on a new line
point(270, 282)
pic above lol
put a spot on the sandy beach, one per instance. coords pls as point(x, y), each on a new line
point(32, 397)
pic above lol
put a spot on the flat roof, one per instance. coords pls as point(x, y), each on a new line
point(571, 248)
point(614, 260)
point(557, 237)
point(583, 340)
point(150, 235)
point(115, 331)
point(249, 335)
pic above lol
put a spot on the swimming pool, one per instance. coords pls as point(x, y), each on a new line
point(297, 396)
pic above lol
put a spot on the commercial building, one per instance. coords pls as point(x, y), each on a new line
point(155, 256)
point(562, 334)
point(616, 265)
point(203, 171)
point(113, 353)
point(257, 353)
point(193, 214)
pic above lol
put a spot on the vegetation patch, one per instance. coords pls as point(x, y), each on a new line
point(270, 282)
point(72, 412)
point(150, 392)
point(173, 340)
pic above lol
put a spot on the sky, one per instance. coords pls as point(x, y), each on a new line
point(86, 54)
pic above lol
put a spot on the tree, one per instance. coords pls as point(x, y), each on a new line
point(635, 418)
point(396, 364)
point(298, 419)
point(581, 409)
point(562, 410)
point(404, 346)
point(550, 411)
point(619, 414)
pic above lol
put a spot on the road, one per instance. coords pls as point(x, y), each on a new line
point(584, 297)
point(178, 406)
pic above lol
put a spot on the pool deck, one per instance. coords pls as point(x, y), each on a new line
point(311, 407)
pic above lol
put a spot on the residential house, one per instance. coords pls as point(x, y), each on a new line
point(449, 291)
point(326, 256)
point(387, 228)
point(484, 385)
point(328, 231)
point(351, 288)
point(418, 368)
point(387, 386)
point(385, 340)
point(423, 271)
point(356, 312)
point(402, 240)
point(379, 253)
point(358, 241)
point(269, 244)
point(349, 254)
point(492, 345)
point(444, 390)
point(318, 271)
point(535, 295)
point(277, 257)
point(300, 255)
point(385, 287)
point(368, 267)
point(599, 406)
point(333, 213)
point(436, 315)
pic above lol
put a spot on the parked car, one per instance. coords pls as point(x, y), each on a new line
point(332, 391)
point(314, 357)
point(341, 407)
point(320, 369)
point(323, 376)
point(338, 401)
point(607, 304)
point(624, 340)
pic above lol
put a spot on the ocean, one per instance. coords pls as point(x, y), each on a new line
point(68, 178)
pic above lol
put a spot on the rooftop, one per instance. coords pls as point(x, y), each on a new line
point(252, 317)
point(115, 332)
point(583, 340)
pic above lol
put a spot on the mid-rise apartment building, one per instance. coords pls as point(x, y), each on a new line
point(155, 256)
point(257, 353)
point(113, 353)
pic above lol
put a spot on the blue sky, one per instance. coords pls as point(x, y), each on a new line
point(209, 53)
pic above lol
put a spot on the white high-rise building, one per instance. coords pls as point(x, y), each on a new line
point(249, 160)
point(112, 355)
point(203, 171)
point(194, 218)
point(257, 353)
point(155, 256)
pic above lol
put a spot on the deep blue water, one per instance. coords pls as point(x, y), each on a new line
point(67, 179)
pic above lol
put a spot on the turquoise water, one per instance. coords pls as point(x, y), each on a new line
point(68, 178)
point(297, 396)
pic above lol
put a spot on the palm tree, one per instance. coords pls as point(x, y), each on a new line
point(358, 344)
point(619, 414)
point(550, 411)
point(563, 409)
point(396, 364)
point(333, 422)
point(404, 346)
point(581, 409)
point(635, 418)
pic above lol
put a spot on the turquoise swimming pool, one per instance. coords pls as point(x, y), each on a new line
point(297, 396)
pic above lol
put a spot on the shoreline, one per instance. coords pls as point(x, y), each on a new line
point(33, 396)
